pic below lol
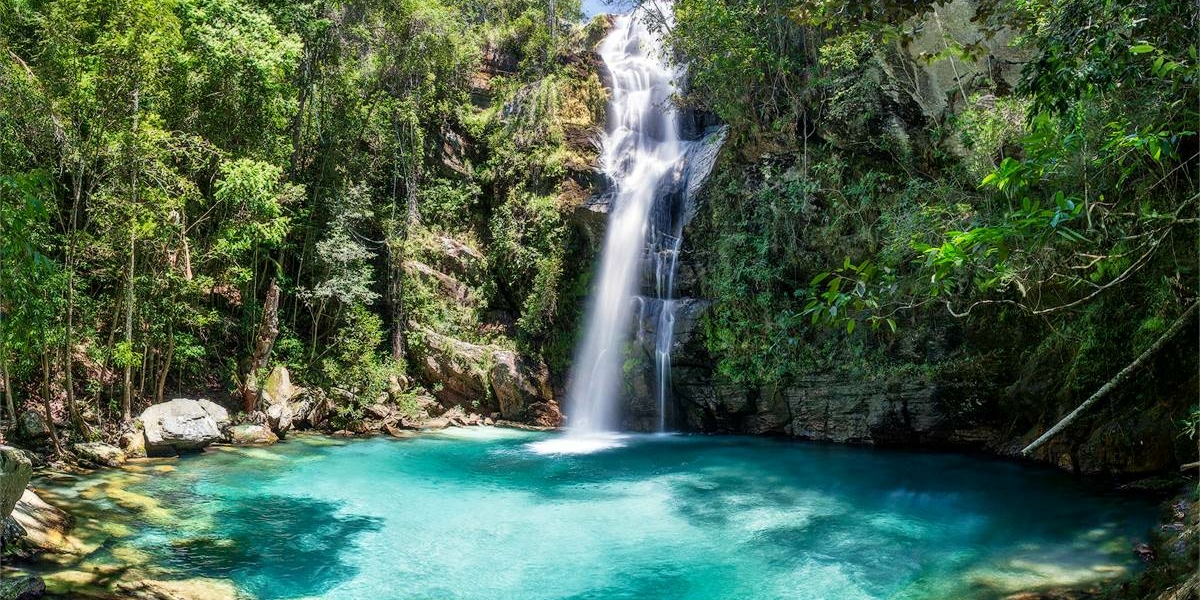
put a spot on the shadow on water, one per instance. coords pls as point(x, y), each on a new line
point(272, 546)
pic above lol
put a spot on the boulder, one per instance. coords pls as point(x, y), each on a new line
point(31, 425)
point(279, 416)
point(133, 442)
point(248, 433)
point(28, 587)
point(519, 383)
point(277, 394)
point(15, 471)
point(436, 423)
point(182, 425)
point(378, 411)
point(100, 453)
point(278, 387)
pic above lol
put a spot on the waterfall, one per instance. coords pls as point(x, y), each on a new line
point(641, 157)
point(653, 173)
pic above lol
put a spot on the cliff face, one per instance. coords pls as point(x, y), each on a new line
point(993, 381)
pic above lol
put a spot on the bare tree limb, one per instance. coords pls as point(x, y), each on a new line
point(1117, 380)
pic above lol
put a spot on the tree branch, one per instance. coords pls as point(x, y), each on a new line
point(1117, 380)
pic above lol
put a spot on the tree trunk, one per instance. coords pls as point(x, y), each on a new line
point(46, 403)
point(268, 330)
point(69, 340)
point(395, 299)
point(8, 393)
point(127, 392)
point(161, 386)
point(1117, 380)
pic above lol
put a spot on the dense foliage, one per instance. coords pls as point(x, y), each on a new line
point(165, 165)
point(1017, 222)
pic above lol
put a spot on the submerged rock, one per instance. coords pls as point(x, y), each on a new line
point(28, 587)
point(249, 433)
point(46, 528)
point(185, 589)
point(182, 425)
point(15, 471)
point(101, 454)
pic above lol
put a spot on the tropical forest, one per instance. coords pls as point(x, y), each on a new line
point(600, 299)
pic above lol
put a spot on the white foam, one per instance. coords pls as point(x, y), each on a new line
point(578, 443)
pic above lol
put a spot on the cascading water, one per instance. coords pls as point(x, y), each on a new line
point(653, 173)
point(642, 156)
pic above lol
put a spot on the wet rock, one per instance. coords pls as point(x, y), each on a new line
point(100, 453)
point(31, 425)
point(47, 528)
point(249, 433)
point(436, 423)
point(15, 471)
point(182, 425)
point(185, 589)
point(28, 587)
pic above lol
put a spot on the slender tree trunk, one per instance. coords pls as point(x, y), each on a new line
point(46, 403)
point(127, 392)
point(69, 340)
point(268, 330)
point(161, 386)
point(9, 403)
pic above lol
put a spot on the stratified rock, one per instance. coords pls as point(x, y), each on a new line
point(486, 378)
point(15, 471)
point(248, 433)
point(182, 425)
point(101, 454)
point(29, 587)
point(31, 425)
point(519, 383)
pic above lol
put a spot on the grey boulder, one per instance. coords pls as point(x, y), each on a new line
point(182, 425)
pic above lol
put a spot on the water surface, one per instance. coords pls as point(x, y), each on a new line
point(488, 514)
